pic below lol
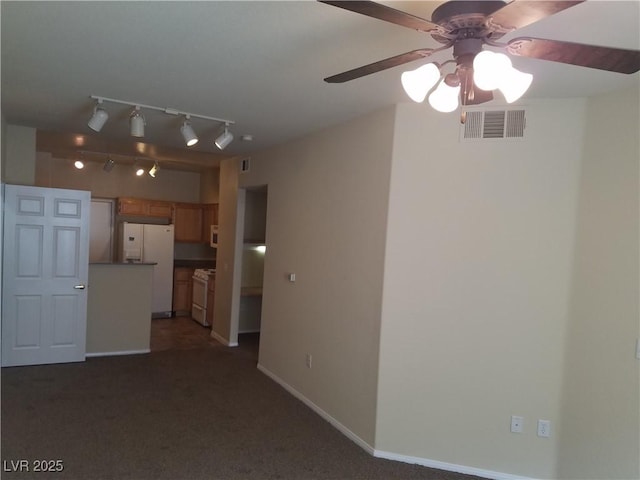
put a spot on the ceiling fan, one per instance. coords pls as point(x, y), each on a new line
point(468, 26)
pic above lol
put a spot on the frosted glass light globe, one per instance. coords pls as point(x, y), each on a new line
point(445, 98)
point(418, 82)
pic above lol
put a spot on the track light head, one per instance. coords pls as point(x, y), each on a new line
point(225, 139)
point(136, 123)
point(108, 164)
point(99, 117)
point(154, 170)
point(137, 168)
point(190, 137)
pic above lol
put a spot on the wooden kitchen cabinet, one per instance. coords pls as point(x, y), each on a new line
point(187, 218)
point(144, 207)
point(211, 289)
point(131, 206)
point(160, 209)
point(182, 290)
point(209, 217)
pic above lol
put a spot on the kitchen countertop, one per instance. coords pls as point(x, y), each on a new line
point(123, 263)
point(251, 291)
point(194, 262)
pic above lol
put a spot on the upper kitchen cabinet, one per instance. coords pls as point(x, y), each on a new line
point(209, 217)
point(144, 207)
point(188, 221)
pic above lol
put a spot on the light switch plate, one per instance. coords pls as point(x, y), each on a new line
point(516, 424)
point(544, 428)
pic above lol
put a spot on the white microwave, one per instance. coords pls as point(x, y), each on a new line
point(213, 237)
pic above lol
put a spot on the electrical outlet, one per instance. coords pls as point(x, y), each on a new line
point(544, 428)
point(308, 360)
point(516, 424)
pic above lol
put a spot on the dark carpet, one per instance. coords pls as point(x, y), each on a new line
point(175, 414)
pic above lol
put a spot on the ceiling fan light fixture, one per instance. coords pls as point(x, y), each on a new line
point(190, 137)
point(136, 123)
point(224, 139)
point(418, 82)
point(445, 98)
point(490, 69)
point(99, 117)
point(515, 84)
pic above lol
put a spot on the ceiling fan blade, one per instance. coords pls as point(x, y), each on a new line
point(380, 65)
point(603, 58)
point(388, 14)
point(520, 13)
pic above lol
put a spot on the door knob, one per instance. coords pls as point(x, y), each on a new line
point(79, 287)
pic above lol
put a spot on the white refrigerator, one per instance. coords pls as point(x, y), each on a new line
point(149, 243)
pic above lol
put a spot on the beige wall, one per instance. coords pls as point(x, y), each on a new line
point(210, 186)
point(20, 153)
point(601, 402)
point(119, 308)
point(3, 145)
point(169, 185)
point(228, 264)
point(326, 220)
point(477, 276)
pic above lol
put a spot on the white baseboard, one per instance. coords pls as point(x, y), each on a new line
point(425, 462)
point(450, 467)
point(223, 340)
point(344, 430)
point(120, 352)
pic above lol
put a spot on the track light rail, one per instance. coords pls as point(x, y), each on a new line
point(167, 110)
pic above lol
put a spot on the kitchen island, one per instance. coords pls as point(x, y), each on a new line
point(119, 308)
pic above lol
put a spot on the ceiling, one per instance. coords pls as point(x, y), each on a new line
point(260, 64)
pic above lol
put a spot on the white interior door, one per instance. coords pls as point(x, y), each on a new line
point(44, 275)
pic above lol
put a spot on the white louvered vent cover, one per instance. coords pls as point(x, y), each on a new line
point(481, 125)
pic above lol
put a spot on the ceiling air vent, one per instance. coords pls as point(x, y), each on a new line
point(500, 124)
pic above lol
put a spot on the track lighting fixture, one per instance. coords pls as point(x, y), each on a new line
point(190, 137)
point(99, 117)
point(154, 170)
point(137, 121)
point(224, 139)
point(138, 169)
point(108, 164)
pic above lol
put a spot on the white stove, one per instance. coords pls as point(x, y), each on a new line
point(201, 278)
point(203, 273)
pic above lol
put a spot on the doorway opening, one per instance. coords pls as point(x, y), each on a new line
point(252, 216)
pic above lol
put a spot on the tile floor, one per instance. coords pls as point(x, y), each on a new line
point(183, 333)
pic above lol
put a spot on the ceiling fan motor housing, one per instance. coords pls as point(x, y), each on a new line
point(465, 19)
